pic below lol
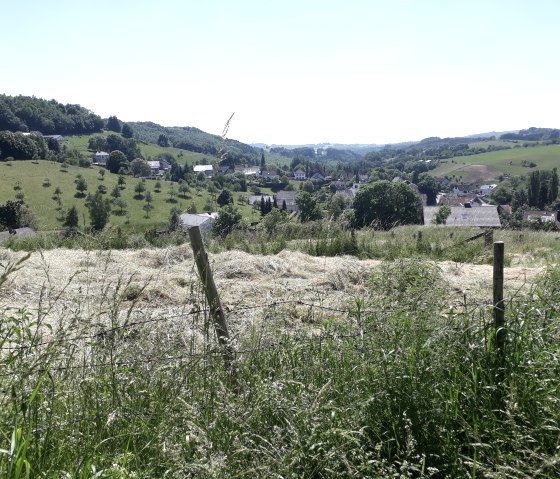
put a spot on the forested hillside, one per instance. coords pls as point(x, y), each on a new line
point(193, 139)
point(534, 134)
point(24, 113)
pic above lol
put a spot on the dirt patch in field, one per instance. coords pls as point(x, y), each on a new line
point(478, 173)
point(163, 282)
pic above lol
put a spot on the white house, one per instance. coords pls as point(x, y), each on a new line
point(206, 169)
point(203, 221)
point(154, 166)
point(299, 175)
point(100, 157)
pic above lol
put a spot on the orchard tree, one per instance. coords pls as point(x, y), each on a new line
point(171, 193)
point(121, 182)
point(81, 186)
point(147, 207)
point(116, 192)
point(57, 196)
point(139, 190)
point(183, 188)
point(384, 204)
point(121, 204)
point(99, 210)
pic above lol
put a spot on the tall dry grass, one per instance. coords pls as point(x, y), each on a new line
point(389, 379)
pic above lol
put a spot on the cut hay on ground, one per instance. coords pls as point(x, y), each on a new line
point(163, 283)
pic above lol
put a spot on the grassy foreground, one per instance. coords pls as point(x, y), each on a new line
point(392, 384)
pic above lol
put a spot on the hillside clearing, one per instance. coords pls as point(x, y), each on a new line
point(512, 161)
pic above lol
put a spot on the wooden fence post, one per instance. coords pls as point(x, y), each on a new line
point(488, 237)
point(499, 308)
point(212, 296)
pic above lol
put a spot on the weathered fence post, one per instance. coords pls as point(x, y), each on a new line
point(488, 237)
point(499, 308)
point(212, 296)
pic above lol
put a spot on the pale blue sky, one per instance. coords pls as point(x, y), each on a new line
point(293, 71)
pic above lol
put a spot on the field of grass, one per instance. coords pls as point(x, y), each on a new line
point(110, 369)
point(503, 162)
point(31, 178)
point(148, 150)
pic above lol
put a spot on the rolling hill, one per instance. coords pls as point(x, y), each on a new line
point(494, 164)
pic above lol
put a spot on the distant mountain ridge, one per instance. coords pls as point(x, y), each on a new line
point(25, 114)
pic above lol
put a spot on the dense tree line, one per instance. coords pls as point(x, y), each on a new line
point(542, 188)
point(538, 190)
point(22, 147)
point(533, 134)
point(24, 113)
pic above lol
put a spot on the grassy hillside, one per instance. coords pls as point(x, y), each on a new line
point(32, 177)
point(491, 165)
point(149, 150)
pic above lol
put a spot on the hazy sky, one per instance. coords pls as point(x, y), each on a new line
point(293, 71)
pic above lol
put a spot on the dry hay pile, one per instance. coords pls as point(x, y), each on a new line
point(93, 285)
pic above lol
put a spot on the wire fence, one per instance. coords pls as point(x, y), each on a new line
point(101, 333)
point(207, 354)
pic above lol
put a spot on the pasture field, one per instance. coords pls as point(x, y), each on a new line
point(31, 177)
point(342, 367)
point(489, 166)
point(148, 150)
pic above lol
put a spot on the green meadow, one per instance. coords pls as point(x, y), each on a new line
point(31, 177)
point(149, 150)
point(503, 162)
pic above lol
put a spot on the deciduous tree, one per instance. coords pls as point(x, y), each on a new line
point(127, 131)
point(81, 186)
point(116, 161)
point(308, 207)
point(225, 198)
point(227, 220)
point(384, 204)
point(113, 124)
point(140, 167)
